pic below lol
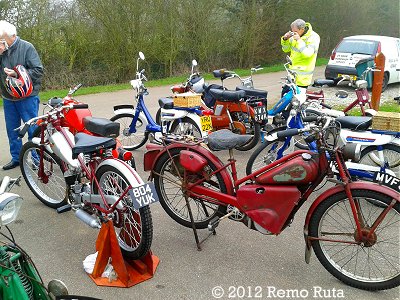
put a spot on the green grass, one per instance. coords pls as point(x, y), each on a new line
point(45, 95)
point(389, 106)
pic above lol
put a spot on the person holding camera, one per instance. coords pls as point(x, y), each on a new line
point(302, 43)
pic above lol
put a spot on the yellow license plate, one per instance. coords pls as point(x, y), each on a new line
point(352, 77)
point(206, 124)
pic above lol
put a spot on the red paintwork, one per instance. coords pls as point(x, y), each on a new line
point(222, 121)
point(269, 206)
point(192, 162)
point(297, 171)
point(360, 185)
point(73, 118)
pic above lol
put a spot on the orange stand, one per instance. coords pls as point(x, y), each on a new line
point(378, 80)
point(129, 273)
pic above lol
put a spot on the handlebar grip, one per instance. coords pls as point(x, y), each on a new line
point(310, 119)
point(23, 131)
point(326, 105)
point(287, 132)
point(80, 106)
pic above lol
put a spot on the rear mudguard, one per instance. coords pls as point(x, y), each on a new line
point(369, 186)
point(154, 152)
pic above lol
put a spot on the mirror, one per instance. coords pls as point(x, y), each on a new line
point(341, 94)
point(194, 62)
point(141, 55)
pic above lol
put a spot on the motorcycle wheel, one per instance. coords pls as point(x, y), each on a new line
point(186, 126)
point(253, 128)
point(391, 153)
point(134, 228)
point(265, 154)
point(131, 141)
point(168, 175)
point(158, 116)
point(54, 193)
point(370, 265)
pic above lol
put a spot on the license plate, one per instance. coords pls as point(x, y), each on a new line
point(352, 77)
point(143, 195)
point(387, 180)
point(206, 124)
point(260, 113)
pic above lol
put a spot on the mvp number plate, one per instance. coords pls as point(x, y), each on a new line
point(143, 195)
point(388, 180)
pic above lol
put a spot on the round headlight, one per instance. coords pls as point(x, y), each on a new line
point(9, 207)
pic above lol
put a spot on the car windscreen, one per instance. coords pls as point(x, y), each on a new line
point(358, 46)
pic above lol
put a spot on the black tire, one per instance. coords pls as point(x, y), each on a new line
point(253, 128)
point(333, 219)
point(131, 141)
point(265, 153)
point(391, 153)
point(186, 126)
point(139, 221)
point(385, 81)
point(54, 192)
point(166, 179)
point(158, 116)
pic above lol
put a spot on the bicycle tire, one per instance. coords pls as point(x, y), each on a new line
point(347, 268)
point(186, 126)
point(125, 137)
point(370, 157)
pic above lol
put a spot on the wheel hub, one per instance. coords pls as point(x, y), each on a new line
point(125, 132)
point(367, 241)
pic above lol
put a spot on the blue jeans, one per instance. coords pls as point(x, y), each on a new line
point(14, 112)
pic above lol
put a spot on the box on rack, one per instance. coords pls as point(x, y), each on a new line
point(187, 100)
point(386, 121)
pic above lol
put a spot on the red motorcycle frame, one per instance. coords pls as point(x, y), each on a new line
point(268, 199)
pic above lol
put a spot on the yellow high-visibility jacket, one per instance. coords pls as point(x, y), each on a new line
point(303, 53)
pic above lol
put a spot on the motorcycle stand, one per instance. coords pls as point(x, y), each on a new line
point(129, 272)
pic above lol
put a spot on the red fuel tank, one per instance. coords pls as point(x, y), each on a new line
point(302, 169)
point(74, 119)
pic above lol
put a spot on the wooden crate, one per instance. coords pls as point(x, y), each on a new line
point(187, 100)
point(386, 121)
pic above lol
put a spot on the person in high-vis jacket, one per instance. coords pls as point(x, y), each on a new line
point(302, 43)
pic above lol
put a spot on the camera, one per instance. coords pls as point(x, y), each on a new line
point(291, 33)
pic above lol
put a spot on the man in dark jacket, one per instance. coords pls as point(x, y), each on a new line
point(15, 51)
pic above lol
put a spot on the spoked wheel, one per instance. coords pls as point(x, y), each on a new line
point(168, 174)
point(186, 126)
point(391, 154)
point(265, 154)
point(134, 140)
point(134, 229)
point(252, 128)
point(51, 188)
point(365, 262)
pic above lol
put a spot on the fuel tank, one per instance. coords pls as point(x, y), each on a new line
point(74, 119)
point(302, 169)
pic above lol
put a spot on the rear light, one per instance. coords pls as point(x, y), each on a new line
point(207, 112)
point(333, 55)
point(124, 154)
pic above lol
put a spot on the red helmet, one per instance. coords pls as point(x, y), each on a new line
point(20, 86)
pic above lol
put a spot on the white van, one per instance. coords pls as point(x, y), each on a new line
point(352, 49)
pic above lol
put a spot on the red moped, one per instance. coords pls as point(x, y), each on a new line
point(348, 232)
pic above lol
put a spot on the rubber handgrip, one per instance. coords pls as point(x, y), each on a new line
point(310, 119)
point(23, 131)
point(326, 105)
point(80, 106)
point(287, 132)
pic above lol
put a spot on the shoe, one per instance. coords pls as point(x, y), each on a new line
point(11, 165)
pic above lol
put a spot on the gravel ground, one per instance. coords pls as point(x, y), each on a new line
point(392, 91)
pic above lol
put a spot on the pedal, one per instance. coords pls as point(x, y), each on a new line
point(213, 223)
point(64, 208)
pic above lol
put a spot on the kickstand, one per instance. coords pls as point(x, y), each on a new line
point(196, 237)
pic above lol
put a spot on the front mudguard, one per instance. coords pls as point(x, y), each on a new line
point(154, 152)
point(369, 186)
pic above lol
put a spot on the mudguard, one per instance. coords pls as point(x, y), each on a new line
point(362, 185)
point(130, 174)
point(154, 152)
point(337, 189)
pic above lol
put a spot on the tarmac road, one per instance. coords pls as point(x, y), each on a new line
point(237, 259)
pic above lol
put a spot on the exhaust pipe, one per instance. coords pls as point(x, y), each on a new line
point(87, 219)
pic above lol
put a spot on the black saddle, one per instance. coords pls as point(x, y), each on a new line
point(88, 144)
point(225, 139)
point(101, 126)
point(323, 82)
point(355, 123)
point(222, 73)
point(224, 95)
point(253, 92)
point(166, 103)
